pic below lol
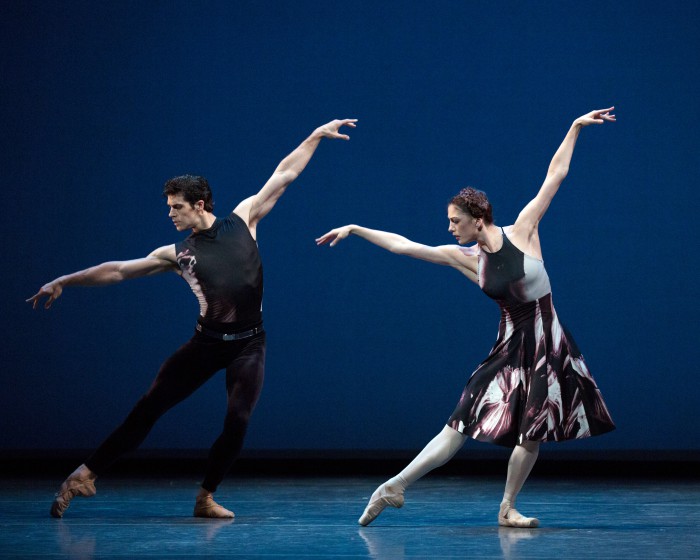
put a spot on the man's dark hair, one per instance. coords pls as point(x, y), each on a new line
point(193, 188)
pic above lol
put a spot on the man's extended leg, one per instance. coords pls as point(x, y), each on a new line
point(181, 374)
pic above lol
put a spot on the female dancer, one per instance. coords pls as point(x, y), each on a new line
point(534, 386)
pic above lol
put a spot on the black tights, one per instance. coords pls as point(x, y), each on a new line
point(180, 376)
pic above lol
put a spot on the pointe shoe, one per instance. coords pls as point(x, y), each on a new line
point(205, 506)
point(383, 496)
point(508, 516)
point(77, 484)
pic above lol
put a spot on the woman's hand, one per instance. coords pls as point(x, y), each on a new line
point(596, 117)
point(334, 235)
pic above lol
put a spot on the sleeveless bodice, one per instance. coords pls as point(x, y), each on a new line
point(511, 277)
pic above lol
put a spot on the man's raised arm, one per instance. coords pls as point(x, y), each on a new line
point(255, 208)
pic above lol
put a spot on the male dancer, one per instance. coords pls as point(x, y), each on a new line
point(220, 261)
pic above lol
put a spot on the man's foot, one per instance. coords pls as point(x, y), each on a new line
point(80, 483)
point(205, 506)
point(383, 496)
point(508, 516)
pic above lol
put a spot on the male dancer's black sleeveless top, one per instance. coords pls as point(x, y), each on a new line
point(223, 267)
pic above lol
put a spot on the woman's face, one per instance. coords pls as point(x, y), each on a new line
point(462, 225)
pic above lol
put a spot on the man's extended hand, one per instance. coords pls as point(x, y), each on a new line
point(330, 130)
point(53, 290)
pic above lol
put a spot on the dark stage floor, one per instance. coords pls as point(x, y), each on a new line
point(444, 517)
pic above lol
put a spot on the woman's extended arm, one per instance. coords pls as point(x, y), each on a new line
point(449, 255)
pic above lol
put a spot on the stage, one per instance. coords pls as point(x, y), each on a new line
point(298, 517)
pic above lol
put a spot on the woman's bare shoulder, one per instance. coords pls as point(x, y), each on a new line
point(471, 251)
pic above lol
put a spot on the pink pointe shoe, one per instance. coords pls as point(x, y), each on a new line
point(508, 516)
point(383, 496)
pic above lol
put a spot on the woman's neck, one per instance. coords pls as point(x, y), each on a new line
point(490, 238)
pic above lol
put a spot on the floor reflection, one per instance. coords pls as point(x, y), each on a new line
point(75, 543)
point(383, 543)
point(509, 537)
point(398, 543)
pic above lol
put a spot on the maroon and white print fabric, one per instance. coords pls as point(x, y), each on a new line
point(534, 384)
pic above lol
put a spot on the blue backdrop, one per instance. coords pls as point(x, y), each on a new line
point(103, 101)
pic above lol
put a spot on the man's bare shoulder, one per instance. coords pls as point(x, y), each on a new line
point(165, 253)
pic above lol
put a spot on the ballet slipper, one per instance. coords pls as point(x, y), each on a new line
point(205, 506)
point(508, 516)
point(383, 496)
point(80, 483)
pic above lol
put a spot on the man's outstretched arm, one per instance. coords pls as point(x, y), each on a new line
point(255, 208)
point(160, 260)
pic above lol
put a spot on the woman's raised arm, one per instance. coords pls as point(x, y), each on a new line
point(531, 215)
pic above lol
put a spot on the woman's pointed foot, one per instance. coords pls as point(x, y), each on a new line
point(383, 496)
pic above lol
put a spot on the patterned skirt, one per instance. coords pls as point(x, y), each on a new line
point(534, 385)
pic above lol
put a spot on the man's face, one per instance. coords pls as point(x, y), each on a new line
point(183, 215)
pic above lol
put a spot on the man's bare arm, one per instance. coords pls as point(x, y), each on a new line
point(256, 207)
point(159, 261)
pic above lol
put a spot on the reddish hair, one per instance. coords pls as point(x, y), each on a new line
point(475, 203)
